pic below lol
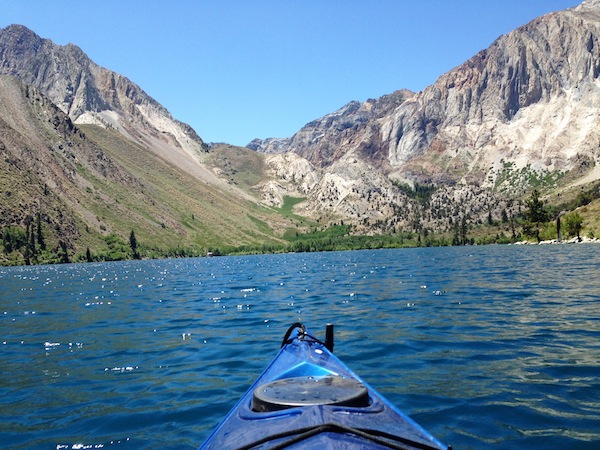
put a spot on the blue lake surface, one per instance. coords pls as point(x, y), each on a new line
point(486, 347)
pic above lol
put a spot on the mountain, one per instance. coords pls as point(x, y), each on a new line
point(44, 160)
point(87, 157)
point(531, 99)
point(90, 94)
point(88, 187)
point(521, 114)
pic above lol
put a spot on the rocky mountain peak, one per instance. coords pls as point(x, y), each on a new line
point(588, 4)
point(91, 94)
point(21, 38)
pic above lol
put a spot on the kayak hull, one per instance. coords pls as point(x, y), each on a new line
point(308, 398)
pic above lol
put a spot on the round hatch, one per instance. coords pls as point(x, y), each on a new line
point(309, 391)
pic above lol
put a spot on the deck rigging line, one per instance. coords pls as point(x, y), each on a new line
point(376, 436)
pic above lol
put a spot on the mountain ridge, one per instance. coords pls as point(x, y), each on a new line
point(474, 109)
point(91, 94)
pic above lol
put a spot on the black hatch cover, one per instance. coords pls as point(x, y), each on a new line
point(309, 391)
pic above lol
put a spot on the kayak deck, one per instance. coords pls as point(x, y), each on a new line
point(308, 398)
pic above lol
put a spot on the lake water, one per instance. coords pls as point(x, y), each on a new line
point(486, 347)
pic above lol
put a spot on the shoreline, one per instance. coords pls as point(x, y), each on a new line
point(575, 240)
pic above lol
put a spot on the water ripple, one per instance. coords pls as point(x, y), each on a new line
point(488, 346)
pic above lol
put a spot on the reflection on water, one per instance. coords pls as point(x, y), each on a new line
point(483, 345)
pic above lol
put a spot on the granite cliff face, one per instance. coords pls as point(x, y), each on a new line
point(90, 94)
point(530, 101)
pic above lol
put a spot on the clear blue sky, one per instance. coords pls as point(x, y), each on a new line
point(240, 69)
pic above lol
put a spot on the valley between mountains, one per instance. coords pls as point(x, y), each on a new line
point(503, 148)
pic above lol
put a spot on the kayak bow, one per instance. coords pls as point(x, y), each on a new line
point(308, 398)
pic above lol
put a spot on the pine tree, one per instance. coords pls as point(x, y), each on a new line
point(27, 254)
point(133, 245)
point(64, 257)
point(31, 238)
point(456, 235)
point(574, 224)
point(40, 233)
point(536, 215)
point(464, 228)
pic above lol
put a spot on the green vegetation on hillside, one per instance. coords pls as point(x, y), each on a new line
point(509, 176)
point(108, 186)
point(176, 207)
point(420, 192)
point(26, 245)
point(287, 209)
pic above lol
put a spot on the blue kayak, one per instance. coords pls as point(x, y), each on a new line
point(307, 398)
